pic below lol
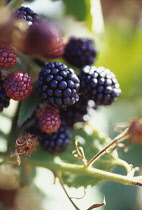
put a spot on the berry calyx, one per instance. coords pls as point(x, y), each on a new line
point(7, 56)
point(18, 85)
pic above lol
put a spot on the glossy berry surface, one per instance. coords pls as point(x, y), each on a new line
point(57, 142)
point(80, 52)
point(25, 13)
point(7, 56)
point(58, 85)
point(4, 99)
point(99, 84)
point(49, 119)
point(18, 85)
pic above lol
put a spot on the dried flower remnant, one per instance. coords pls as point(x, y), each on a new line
point(25, 145)
point(133, 130)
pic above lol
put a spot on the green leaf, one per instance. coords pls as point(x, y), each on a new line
point(28, 106)
point(76, 8)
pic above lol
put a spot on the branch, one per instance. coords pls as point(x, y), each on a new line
point(93, 172)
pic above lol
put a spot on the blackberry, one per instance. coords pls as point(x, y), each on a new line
point(80, 52)
point(18, 85)
point(7, 56)
point(99, 84)
point(58, 85)
point(49, 119)
point(25, 13)
point(4, 99)
point(78, 112)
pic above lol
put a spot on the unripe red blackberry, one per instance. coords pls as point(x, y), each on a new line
point(58, 85)
point(4, 99)
point(18, 85)
point(57, 142)
point(80, 52)
point(49, 119)
point(99, 84)
point(7, 56)
point(25, 13)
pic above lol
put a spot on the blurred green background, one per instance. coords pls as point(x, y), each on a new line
point(116, 27)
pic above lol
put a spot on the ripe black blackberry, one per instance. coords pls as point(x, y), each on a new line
point(99, 84)
point(4, 99)
point(25, 13)
point(78, 112)
point(80, 52)
point(58, 85)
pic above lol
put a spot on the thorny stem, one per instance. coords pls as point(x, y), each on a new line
point(119, 138)
point(80, 169)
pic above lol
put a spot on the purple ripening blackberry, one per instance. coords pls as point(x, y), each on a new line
point(4, 99)
point(99, 84)
point(25, 13)
point(58, 85)
point(80, 52)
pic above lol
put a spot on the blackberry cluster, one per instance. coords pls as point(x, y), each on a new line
point(58, 85)
point(80, 52)
point(25, 13)
point(64, 96)
point(4, 99)
point(99, 84)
